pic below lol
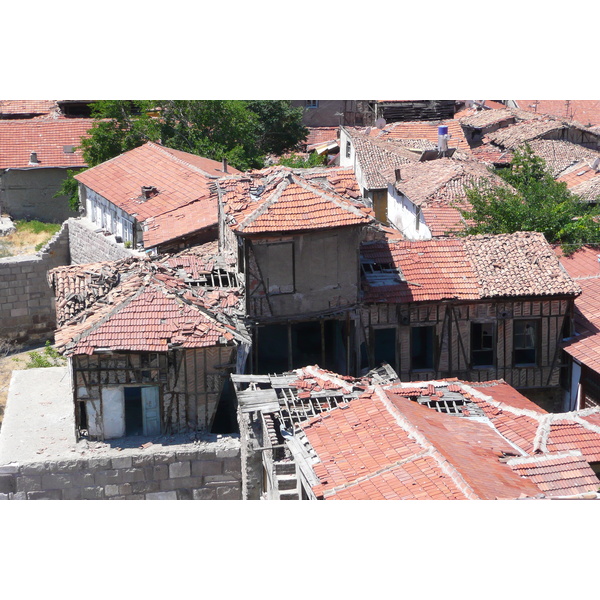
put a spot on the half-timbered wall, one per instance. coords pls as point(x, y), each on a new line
point(189, 386)
point(451, 328)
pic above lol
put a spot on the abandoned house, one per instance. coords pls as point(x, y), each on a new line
point(313, 434)
point(150, 345)
point(476, 308)
point(424, 199)
point(154, 197)
point(376, 154)
point(297, 239)
point(35, 155)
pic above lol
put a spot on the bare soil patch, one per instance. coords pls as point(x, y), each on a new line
point(28, 239)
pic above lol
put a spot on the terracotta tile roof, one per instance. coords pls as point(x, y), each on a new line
point(526, 131)
point(444, 180)
point(582, 263)
point(518, 264)
point(280, 199)
point(562, 156)
point(586, 112)
point(535, 431)
point(149, 309)
point(180, 179)
point(492, 155)
point(376, 157)
point(321, 135)
point(589, 190)
point(565, 474)
point(194, 262)
point(181, 222)
point(383, 445)
point(431, 270)
point(501, 115)
point(47, 137)
point(471, 268)
point(423, 130)
point(28, 107)
point(443, 220)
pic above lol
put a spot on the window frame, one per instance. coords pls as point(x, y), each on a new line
point(482, 350)
point(311, 104)
point(536, 342)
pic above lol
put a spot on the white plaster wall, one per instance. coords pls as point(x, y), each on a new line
point(402, 213)
point(106, 215)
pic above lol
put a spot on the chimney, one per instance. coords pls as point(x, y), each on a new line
point(443, 138)
point(224, 165)
point(148, 191)
point(33, 159)
point(398, 175)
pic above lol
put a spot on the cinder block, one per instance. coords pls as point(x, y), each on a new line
point(180, 483)
point(99, 463)
point(111, 490)
point(205, 494)
point(228, 452)
point(229, 492)
point(69, 465)
point(232, 466)
point(184, 494)
point(187, 455)
point(164, 458)
point(74, 493)
point(18, 312)
point(4, 497)
point(162, 496)
point(220, 479)
point(45, 495)
point(28, 483)
point(9, 469)
point(142, 460)
point(157, 472)
point(92, 493)
point(179, 469)
point(7, 484)
point(144, 487)
point(207, 467)
point(131, 475)
point(110, 476)
point(53, 481)
point(122, 462)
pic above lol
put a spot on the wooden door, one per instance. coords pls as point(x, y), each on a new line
point(151, 410)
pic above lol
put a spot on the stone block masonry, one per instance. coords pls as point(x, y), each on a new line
point(87, 245)
point(206, 470)
point(27, 310)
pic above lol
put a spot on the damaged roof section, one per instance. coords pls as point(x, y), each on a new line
point(374, 440)
point(146, 305)
point(471, 268)
point(280, 199)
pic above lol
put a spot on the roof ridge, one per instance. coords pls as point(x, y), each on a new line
point(262, 209)
point(332, 196)
point(165, 150)
point(420, 438)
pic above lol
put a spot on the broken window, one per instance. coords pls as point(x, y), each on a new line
point(422, 348)
point(348, 149)
point(525, 342)
point(312, 104)
point(384, 346)
point(482, 344)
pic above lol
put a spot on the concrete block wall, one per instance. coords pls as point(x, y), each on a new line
point(209, 471)
point(87, 246)
point(27, 310)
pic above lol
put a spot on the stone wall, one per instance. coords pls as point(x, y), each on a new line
point(26, 300)
point(198, 471)
point(87, 246)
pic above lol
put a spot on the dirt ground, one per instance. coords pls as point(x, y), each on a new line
point(7, 366)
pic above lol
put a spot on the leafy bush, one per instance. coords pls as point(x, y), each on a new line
point(48, 357)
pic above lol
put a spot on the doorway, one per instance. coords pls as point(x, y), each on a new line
point(142, 415)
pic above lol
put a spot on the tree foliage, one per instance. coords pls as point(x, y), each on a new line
point(534, 202)
point(297, 161)
point(241, 131)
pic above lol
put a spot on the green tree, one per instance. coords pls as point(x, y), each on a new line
point(534, 202)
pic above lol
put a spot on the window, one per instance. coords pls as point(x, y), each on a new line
point(525, 342)
point(482, 344)
point(312, 104)
point(348, 147)
point(421, 348)
point(384, 346)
